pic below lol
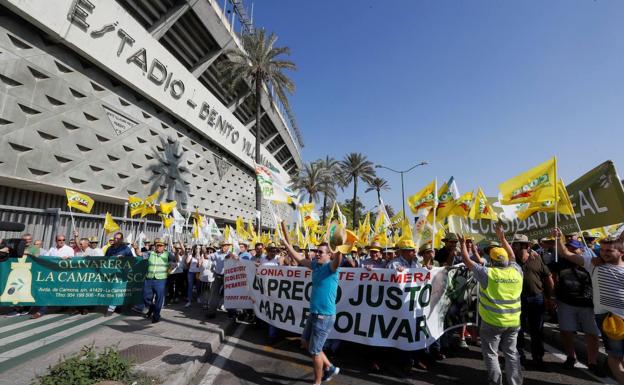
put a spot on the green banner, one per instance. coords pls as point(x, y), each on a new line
point(77, 281)
point(598, 200)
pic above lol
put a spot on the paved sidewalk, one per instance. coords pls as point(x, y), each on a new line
point(173, 349)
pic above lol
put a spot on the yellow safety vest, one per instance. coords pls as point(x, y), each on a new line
point(157, 265)
point(499, 302)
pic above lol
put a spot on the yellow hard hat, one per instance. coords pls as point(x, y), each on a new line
point(498, 254)
point(613, 327)
point(406, 244)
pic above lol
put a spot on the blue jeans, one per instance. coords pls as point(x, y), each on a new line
point(190, 283)
point(317, 330)
point(154, 296)
point(532, 321)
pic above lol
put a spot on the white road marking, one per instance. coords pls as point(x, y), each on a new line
point(224, 355)
point(27, 321)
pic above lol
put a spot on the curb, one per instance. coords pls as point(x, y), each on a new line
point(190, 369)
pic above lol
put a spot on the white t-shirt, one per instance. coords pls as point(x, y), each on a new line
point(264, 261)
point(89, 252)
point(608, 285)
point(206, 274)
point(193, 266)
point(64, 251)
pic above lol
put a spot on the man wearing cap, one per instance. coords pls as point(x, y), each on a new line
point(147, 246)
point(591, 243)
point(575, 306)
point(607, 275)
point(499, 308)
point(93, 243)
point(218, 266)
point(158, 263)
point(537, 279)
point(374, 259)
point(320, 321)
point(446, 255)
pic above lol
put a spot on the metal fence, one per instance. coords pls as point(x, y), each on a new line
point(44, 224)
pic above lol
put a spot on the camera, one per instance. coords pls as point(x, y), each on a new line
point(13, 247)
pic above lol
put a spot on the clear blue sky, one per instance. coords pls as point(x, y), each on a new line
point(482, 90)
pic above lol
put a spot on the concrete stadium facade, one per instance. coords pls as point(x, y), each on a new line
point(124, 98)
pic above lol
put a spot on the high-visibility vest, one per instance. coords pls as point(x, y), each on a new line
point(157, 265)
point(499, 302)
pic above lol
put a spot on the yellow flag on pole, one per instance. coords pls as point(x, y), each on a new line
point(240, 228)
point(524, 187)
point(195, 229)
point(481, 209)
point(149, 204)
point(543, 204)
point(462, 205)
point(135, 204)
point(109, 224)
point(167, 207)
point(167, 221)
point(422, 199)
point(79, 201)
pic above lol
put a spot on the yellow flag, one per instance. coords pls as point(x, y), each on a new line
point(406, 229)
point(462, 205)
point(240, 228)
point(524, 187)
point(250, 230)
point(422, 199)
point(79, 201)
point(167, 207)
point(149, 204)
point(265, 238)
point(167, 221)
point(227, 236)
point(195, 229)
point(564, 205)
point(396, 220)
point(481, 209)
point(135, 204)
point(109, 224)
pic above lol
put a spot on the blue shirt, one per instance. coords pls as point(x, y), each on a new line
point(246, 255)
point(121, 251)
point(218, 260)
point(324, 287)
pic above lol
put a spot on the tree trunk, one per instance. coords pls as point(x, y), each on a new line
point(324, 207)
point(378, 196)
point(310, 199)
point(353, 205)
point(258, 158)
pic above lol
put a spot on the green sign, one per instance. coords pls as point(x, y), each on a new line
point(597, 198)
point(76, 281)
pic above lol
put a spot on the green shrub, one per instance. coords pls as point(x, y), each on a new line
point(88, 367)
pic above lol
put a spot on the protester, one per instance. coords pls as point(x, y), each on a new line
point(118, 249)
point(573, 289)
point(176, 280)
point(499, 308)
point(206, 275)
point(537, 281)
point(156, 280)
point(62, 251)
point(374, 260)
point(446, 255)
point(322, 315)
point(607, 277)
point(192, 261)
point(216, 292)
point(39, 245)
point(271, 259)
point(243, 253)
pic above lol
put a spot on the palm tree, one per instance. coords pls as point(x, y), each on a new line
point(330, 181)
point(378, 184)
point(355, 166)
point(309, 180)
point(258, 63)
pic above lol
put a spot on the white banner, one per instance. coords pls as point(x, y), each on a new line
point(381, 307)
point(236, 294)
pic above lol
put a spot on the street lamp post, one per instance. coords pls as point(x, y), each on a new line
point(402, 183)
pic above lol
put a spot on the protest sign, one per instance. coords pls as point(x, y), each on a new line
point(597, 198)
point(236, 294)
point(381, 307)
point(77, 281)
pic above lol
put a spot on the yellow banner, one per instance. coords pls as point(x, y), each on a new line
point(79, 201)
point(524, 187)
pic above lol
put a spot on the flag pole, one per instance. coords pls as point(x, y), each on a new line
point(556, 210)
point(578, 226)
point(435, 205)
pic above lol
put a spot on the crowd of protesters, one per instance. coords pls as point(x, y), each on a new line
point(577, 290)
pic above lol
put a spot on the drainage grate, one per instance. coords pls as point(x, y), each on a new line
point(142, 353)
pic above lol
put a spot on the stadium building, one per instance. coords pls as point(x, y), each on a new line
point(119, 98)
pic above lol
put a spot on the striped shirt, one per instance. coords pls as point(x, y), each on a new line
point(608, 286)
